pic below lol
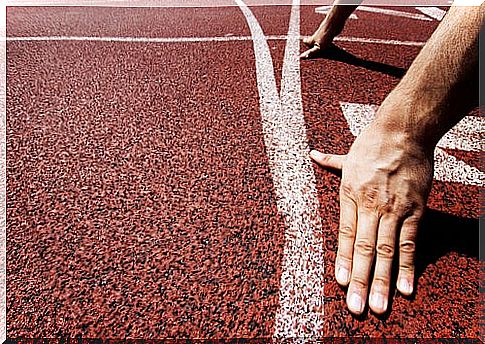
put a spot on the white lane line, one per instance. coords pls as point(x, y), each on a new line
point(134, 39)
point(300, 313)
point(139, 4)
point(379, 41)
point(394, 13)
point(326, 9)
point(156, 3)
point(219, 3)
point(466, 136)
point(433, 12)
point(199, 39)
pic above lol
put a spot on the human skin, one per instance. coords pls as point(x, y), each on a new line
point(331, 26)
point(387, 173)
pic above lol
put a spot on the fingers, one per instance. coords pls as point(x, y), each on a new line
point(311, 53)
point(346, 238)
point(363, 256)
point(328, 160)
point(379, 295)
point(364, 250)
point(407, 239)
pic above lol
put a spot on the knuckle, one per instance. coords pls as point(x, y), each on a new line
point(412, 222)
point(370, 198)
point(406, 207)
point(381, 281)
point(364, 248)
point(346, 189)
point(386, 208)
point(346, 231)
point(407, 247)
point(342, 259)
point(406, 266)
point(385, 250)
point(359, 282)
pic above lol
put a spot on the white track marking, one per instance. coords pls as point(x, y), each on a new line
point(300, 312)
point(466, 135)
point(326, 9)
point(378, 41)
point(358, 116)
point(155, 3)
point(198, 39)
point(226, 3)
point(394, 13)
point(137, 39)
point(433, 12)
point(450, 169)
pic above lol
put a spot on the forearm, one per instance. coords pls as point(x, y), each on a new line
point(441, 85)
point(335, 20)
point(338, 15)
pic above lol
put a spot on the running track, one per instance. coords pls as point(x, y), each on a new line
point(158, 184)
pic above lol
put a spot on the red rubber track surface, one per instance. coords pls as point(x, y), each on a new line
point(140, 201)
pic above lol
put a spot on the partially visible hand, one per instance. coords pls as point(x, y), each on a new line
point(312, 51)
point(315, 48)
point(386, 180)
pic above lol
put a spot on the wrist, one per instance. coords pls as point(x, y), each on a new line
point(412, 117)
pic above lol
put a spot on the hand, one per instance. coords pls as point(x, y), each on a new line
point(312, 51)
point(386, 180)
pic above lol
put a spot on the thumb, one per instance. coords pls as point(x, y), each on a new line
point(328, 160)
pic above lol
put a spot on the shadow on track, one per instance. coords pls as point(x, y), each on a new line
point(441, 233)
point(338, 54)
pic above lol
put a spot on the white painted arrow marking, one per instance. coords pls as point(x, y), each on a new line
point(300, 313)
point(433, 12)
point(466, 135)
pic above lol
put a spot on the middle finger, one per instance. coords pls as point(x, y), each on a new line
point(364, 250)
point(386, 240)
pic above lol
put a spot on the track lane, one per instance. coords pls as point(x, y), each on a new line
point(140, 200)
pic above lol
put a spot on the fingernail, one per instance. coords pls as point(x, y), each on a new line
point(342, 275)
point(314, 153)
point(355, 303)
point(377, 301)
point(404, 286)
